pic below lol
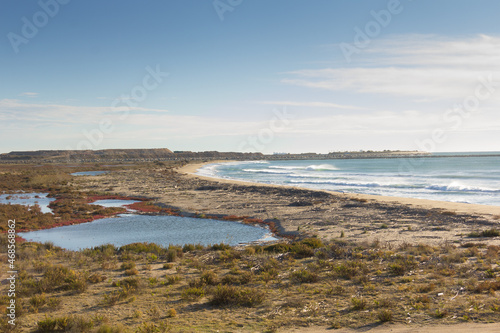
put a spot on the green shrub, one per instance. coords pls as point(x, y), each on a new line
point(143, 248)
point(278, 248)
point(37, 301)
point(127, 265)
point(132, 271)
point(302, 250)
point(47, 325)
point(351, 269)
point(192, 293)
point(209, 278)
point(314, 243)
point(220, 246)
point(358, 303)
point(304, 276)
point(226, 296)
point(188, 248)
point(384, 316)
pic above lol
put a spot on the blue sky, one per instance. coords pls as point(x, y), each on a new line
point(250, 75)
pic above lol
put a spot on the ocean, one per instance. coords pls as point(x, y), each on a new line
point(474, 178)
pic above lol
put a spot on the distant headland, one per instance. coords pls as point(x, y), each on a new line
point(164, 154)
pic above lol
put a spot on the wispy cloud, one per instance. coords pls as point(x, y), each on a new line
point(412, 66)
point(311, 104)
point(18, 111)
point(29, 94)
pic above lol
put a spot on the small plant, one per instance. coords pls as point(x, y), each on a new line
point(172, 279)
point(358, 303)
point(168, 266)
point(171, 313)
point(36, 302)
point(96, 278)
point(440, 313)
point(209, 278)
point(127, 265)
point(47, 325)
point(130, 272)
point(224, 296)
point(192, 293)
point(384, 316)
point(304, 276)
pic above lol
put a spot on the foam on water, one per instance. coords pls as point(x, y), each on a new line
point(459, 179)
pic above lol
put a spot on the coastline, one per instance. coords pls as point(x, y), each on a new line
point(460, 208)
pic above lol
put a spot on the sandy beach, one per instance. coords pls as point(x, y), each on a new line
point(325, 214)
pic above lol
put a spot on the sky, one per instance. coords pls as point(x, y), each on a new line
point(250, 75)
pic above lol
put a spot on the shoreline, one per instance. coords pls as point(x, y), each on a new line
point(301, 212)
point(457, 207)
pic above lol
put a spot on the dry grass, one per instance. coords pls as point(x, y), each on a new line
point(347, 285)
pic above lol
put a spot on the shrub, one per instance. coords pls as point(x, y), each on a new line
point(171, 255)
point(490, 233)
point(171, 313)
point(351, 269)
point(47, 325)
point(96, 278)
point(188, 248)
point(220, 246)
point(37, 301)
point(302, 250)
point(224, 296)
point(314, 243)
point(173, 279)
point(132, 271)
point(192, 293)
point(384, 316)
point(104, 328)
point(358, 303)
point(304, 276)
point(402, 265)
point(485, 233)
point(209, 278)
point(127, 265)
point(278, 248)
point(143, 248)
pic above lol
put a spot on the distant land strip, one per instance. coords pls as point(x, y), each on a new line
point(163, 154)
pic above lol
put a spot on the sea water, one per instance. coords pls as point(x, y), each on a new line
point(468, 179)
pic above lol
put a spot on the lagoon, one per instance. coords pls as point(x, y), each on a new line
point(162, 230)
point(28, 199)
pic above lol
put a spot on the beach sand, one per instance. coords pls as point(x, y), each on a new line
point(298, 211)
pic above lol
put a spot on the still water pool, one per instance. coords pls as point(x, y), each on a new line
point(162, 230)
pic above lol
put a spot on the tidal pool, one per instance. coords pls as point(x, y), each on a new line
point(162, 230)
point(28, 199)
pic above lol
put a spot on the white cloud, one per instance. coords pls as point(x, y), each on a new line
point(412, 66)
point(29, 94)
point(18, 111)
point(311, 104)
